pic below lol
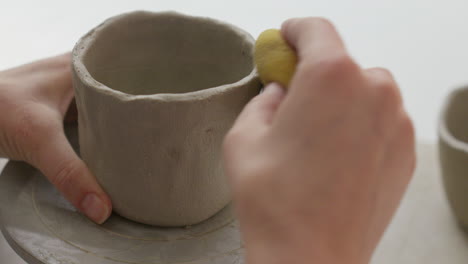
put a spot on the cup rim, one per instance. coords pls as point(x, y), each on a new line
point(82, 73)
point(443, 131)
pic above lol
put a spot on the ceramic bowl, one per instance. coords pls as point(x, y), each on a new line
point(156, 93)
point(453, 152)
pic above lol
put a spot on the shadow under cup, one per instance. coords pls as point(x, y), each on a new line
point(453, 152)
point(156, 93)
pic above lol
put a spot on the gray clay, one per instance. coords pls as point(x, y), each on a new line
point(44, 228)
point(156, 93)
point(453, 151)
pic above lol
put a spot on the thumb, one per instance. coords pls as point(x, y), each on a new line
point(68, 173)
point(262, 108)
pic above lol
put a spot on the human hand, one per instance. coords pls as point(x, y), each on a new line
point(34, 99)
point(317, 173)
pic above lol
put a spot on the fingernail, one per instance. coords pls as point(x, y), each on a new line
point(94, 208)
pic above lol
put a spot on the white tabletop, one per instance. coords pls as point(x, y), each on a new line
point(423, 42)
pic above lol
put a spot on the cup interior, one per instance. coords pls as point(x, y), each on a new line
point(146, 53)
point(456, 115)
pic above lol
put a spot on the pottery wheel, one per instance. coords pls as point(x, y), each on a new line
point(42, 227)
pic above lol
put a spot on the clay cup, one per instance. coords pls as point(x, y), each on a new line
point(453, 152)
point(156, 93)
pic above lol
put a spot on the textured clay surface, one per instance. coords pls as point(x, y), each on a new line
point(156, 93)
point(453, 152)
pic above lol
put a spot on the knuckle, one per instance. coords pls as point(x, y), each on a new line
point(383, 72)
point(389, 93)
point(24, 130)
point(289, 23)
point(321, 22)
point(29, 131)
point(407, 129)
point(307, 22)
point(384, 84)
point(339, 72)
point(65, 174)
point(337, 67)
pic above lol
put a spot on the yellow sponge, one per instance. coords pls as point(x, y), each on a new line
point(275, 59)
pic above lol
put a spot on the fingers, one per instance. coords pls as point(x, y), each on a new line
point(398, 166)
point(385, 99)
point(325, 70)
point(388, 104)
point(261, 109)
point(69, 174)
point(56, 71)
point(383, 80)
point(313, 38)
point(254, 119)
point(48, 81)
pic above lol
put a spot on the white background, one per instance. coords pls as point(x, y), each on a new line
point(423, 42)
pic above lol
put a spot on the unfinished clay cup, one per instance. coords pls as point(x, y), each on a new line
point(453, 152)
point(156, 93)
